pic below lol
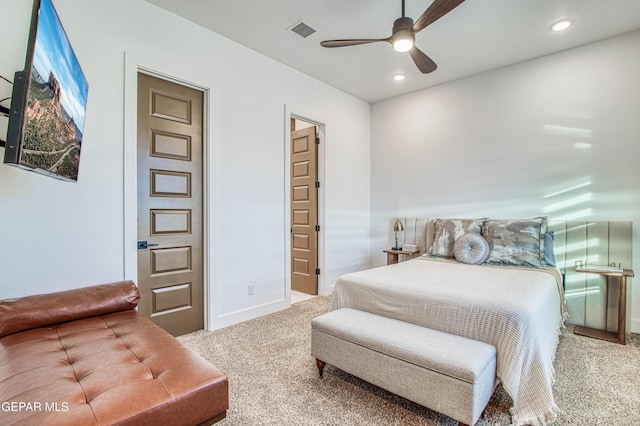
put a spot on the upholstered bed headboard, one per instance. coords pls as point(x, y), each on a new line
point(416, 232)
point(590, 302)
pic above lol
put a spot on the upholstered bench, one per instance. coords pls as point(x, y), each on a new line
point(450, 374)
point(87, 357)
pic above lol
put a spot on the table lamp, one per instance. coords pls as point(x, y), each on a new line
point(397, 227)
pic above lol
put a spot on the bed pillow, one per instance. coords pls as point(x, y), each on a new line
point(516, 242)
point(446, 231)
point(549, 253)
point(471, 248)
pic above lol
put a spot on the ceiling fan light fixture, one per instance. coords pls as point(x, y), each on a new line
point(403, 42)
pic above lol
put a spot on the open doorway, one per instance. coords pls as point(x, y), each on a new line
point(304, 208)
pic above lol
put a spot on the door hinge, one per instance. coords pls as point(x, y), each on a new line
point(317, 271)
point(317, 141)
point(317, 228)
point(317, 184)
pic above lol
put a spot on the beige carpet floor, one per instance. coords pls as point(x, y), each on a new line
point(273, 379)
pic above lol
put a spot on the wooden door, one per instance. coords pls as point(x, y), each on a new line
point(170, 268)
point(304, 211)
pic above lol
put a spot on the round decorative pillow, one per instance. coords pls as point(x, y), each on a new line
point(471, 248)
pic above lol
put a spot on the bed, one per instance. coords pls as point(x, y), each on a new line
point(519, 310)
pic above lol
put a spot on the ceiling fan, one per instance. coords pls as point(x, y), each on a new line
point(403, 35)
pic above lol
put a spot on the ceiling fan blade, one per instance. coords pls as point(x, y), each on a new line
point(353, 42)
point(422, 61)
point(437, 10)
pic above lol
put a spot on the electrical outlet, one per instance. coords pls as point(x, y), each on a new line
point(251, 289)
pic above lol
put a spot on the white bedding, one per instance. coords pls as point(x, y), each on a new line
point(518, 310)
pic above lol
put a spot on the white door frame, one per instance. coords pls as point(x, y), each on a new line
point(310, 117)
point(133, 65)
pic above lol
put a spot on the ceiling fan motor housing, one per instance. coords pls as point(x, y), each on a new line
point(404, 23)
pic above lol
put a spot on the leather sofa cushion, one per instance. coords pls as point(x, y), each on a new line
point(42, 310)
point(118, 368)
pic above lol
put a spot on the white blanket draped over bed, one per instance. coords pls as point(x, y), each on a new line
point(518, 310)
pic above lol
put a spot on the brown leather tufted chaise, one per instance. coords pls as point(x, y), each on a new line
point(87, 357)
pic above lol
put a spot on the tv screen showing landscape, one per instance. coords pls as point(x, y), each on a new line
point(53, 121)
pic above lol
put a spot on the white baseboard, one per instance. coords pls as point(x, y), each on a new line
point(635, 326)
point(237, 317)
point(329, 291)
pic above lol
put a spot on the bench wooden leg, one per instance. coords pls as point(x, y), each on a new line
point(320, 365)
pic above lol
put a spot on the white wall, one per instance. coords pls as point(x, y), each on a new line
point(57, 235)
point(500, 143)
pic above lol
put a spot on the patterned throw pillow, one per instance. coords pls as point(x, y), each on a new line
point(516, 242)
point(471, 248)
point(446, 231)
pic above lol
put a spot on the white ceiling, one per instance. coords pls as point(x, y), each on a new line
point(477, 36)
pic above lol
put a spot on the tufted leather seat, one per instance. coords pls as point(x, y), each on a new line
point(113, 368)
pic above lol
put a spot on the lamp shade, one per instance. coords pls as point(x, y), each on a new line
point(397, 226)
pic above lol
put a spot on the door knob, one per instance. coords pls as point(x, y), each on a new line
point(143, 245)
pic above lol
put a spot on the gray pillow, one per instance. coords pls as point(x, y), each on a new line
point(446, 231)
point(516, 242)
point(549, 253)
point(471, 248)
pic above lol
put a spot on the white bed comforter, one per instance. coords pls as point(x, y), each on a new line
point(518, 310)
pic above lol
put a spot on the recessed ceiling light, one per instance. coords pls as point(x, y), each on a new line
point(561, 25)
point(399, 77)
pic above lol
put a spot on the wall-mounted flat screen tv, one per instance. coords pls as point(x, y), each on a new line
point(48, 102)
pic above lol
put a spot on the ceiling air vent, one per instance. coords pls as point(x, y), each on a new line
point(302, 29)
